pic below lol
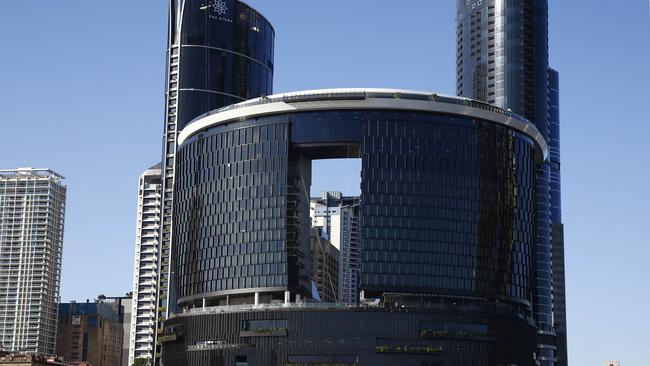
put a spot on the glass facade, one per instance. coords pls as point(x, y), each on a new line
point(225, 56)
point(557, 234)
point(502, 55)
point(447, 204)
point(448, 222)
point(461, 334)
point(234, 224)
point(502, 59)
point(220, 53)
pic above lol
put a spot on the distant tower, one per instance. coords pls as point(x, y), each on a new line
point(219, 52)
point(557, 233)
point(502, 59)
point(325, 266)
point(32, 211)
point(145, 274)
point(339, 217)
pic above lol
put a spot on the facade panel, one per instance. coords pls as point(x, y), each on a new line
point(233, 213)
point(353, 336)
point(440, 207)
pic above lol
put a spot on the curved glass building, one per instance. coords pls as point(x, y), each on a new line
point(502, 59)
point(448, 220)
point(220, 52)
point(225, 55)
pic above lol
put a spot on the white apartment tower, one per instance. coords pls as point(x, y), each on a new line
point(339, 218)
point(145, 274)
point(32, 211)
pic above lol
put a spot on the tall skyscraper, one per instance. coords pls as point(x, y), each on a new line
point(32, 211)
point(339, 217)
point(502, 59)
point(219, 52)
point(145, 273)
point(557, 227)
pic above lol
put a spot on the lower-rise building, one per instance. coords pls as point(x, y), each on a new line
point(90, 332)
point(22, 359)
point(123, 306)
point(338, 217)
point(325, 267)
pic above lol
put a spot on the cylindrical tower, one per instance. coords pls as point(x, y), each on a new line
point(225, 55)
point(447, 207)
point(220, 52)
point(502, 59)
point(502, 55)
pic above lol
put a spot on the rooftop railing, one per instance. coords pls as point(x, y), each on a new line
point(344, 94)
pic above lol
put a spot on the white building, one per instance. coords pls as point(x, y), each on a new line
point(145, 274)
point(339, 218)
point(32, 212)
point(612, 363)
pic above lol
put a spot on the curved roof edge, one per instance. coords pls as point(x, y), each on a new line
point(360, 99)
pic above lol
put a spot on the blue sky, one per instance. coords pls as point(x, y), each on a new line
point(81, 92)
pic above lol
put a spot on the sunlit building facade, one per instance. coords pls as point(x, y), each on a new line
point(145, 271)
point(32, 213)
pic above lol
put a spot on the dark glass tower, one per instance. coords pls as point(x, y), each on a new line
point(220, 52)
point(502, 59)
point(557, 232)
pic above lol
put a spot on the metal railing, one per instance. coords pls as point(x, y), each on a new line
point(360, 94)
point(263, 307)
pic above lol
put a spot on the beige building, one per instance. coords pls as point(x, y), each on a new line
point(90, 332)
point(325, 267)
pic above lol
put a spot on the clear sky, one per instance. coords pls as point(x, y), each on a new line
point(81, 92)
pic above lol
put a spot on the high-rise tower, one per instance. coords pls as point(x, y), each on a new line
point(32, 210)
point(219, 52)
point(145, 274)
point(502, 59)
point(557, 228)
